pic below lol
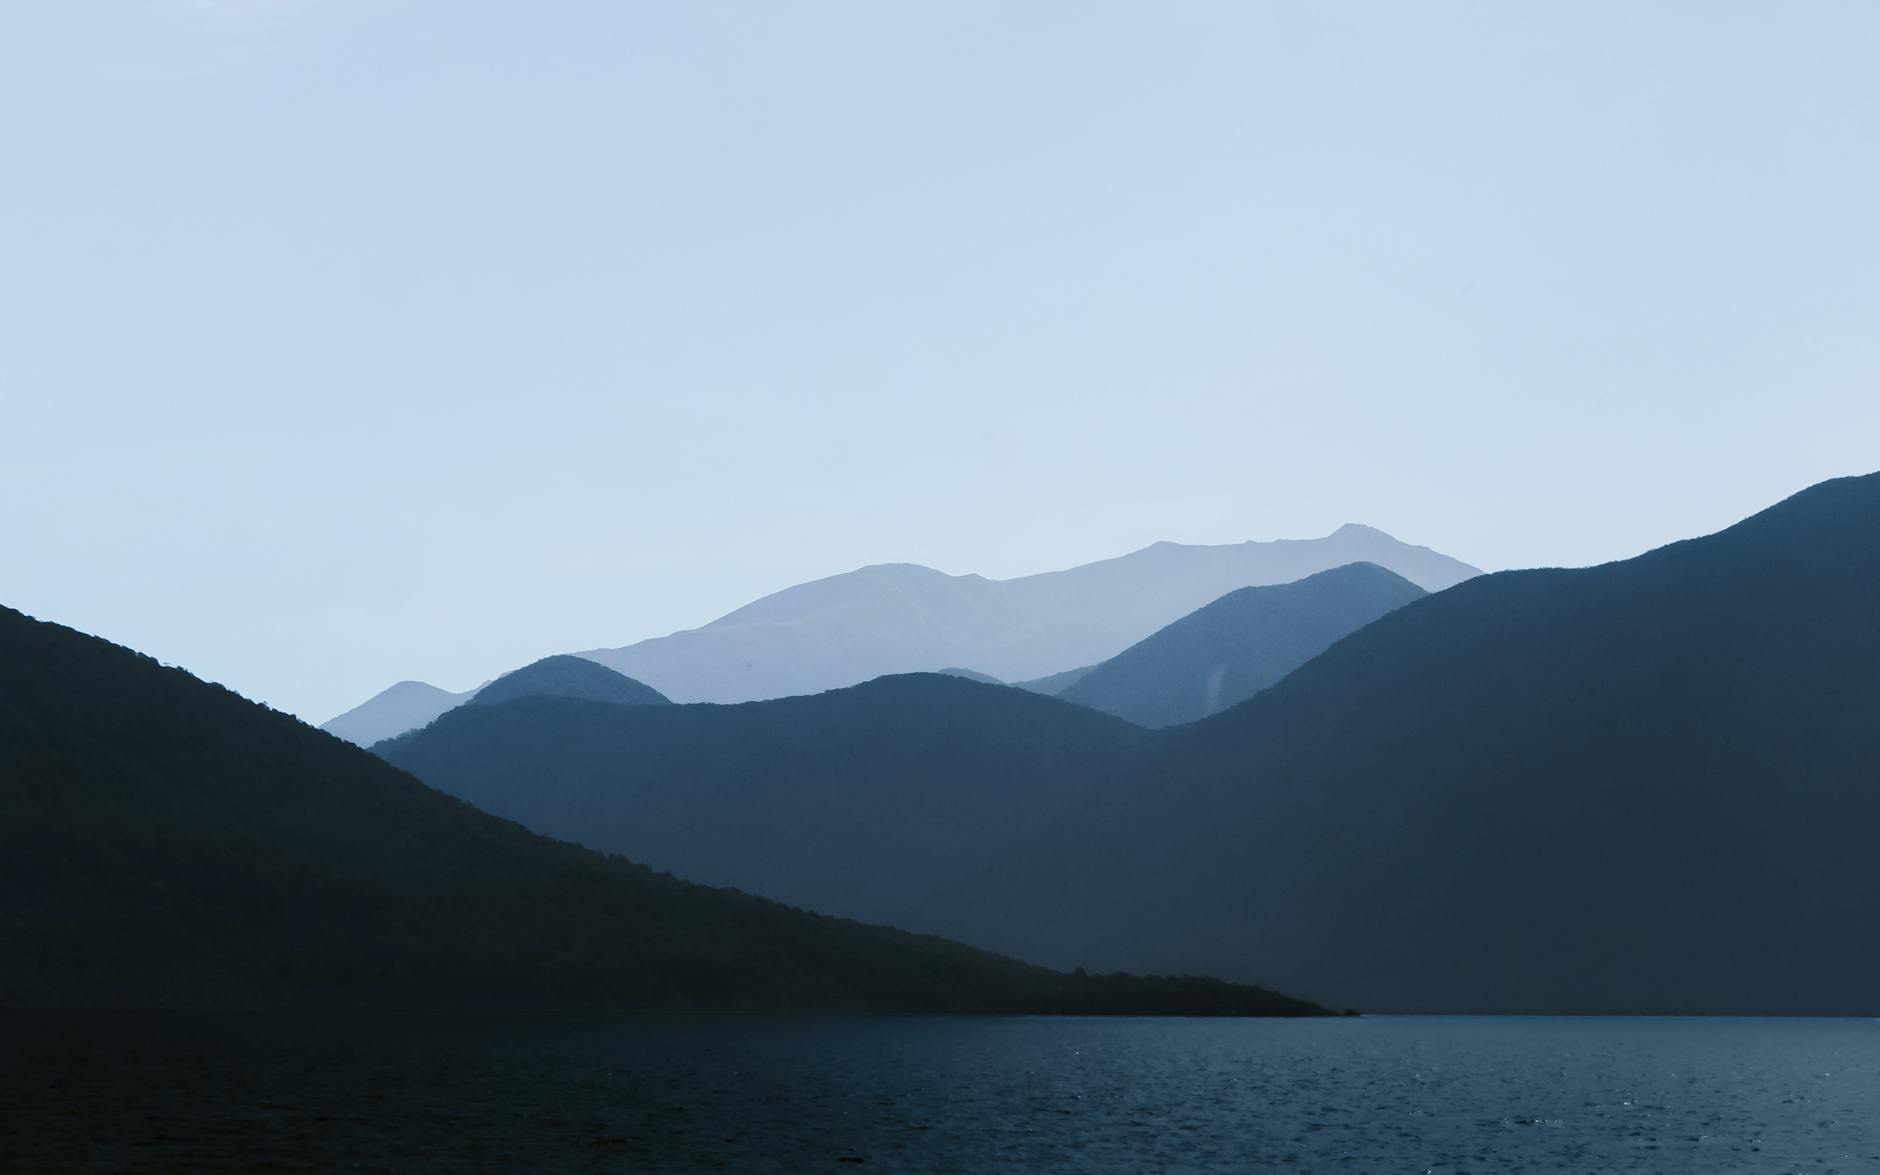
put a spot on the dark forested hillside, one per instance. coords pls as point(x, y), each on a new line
point(852, 802)
point(165, 843)
point(1649, 786)
point(1238, 645)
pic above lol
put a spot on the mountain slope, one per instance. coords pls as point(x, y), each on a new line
point(166, 843)
point(903, 618)
point(1237, 646)
point(564, 676)
point(1054, 684)
point(1649, 786)
point(854, 802)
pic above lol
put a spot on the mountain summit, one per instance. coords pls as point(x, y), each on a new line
point(564, 676)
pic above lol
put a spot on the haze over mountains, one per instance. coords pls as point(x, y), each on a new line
point(410, 705)
point(169, 844)
point(1647, 786)
point(1644, 787)
point(404, 706)
point(861, 801)
point(903, 618)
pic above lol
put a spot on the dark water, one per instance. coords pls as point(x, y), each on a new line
point(180, 1092)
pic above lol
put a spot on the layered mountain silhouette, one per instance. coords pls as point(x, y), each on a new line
point(1237, 646)
point(167, 843)
point(1645, 787)
point(1649, 786)
point(410, 705)
point(902, 618)
point(854, 802)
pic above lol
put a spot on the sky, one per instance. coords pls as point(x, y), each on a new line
point(343, 342)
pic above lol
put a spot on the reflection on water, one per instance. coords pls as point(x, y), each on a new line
point(1379, 1094)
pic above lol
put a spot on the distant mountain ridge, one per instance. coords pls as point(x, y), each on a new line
point(1225, 652)
point(901, 618)
point(904, 618)
point(412, 705)
point(404, 706)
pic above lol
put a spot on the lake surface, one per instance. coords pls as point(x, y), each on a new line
point(968, 1094)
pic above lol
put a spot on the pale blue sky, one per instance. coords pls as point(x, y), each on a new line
point(344, 341)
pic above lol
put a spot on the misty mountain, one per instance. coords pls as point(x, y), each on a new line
point(1649, 786)
point(901, 618)
point(167, 843)
point(1055, 683)
point(853, 802)
point(405, 706)
point(1240, 644)
point(969, 675)
point(410, 705)
point(563, 676)
point(1039, 631)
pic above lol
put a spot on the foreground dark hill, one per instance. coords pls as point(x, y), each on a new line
point(1237, 646)
point(1650, 786)
point(852, 802)
point(166, 843)
point(564, 676)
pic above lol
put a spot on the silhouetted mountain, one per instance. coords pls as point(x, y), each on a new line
point(852, 802)
point(405, 706)
point(564, 676)
point(166, 843)
point(903, 618)
point(411, 705)
point(1235, 647)
point(1055, 683)
point(1650, 786)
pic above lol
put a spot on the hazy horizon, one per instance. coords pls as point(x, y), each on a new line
point(345, 344)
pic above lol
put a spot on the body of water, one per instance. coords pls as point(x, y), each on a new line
point(927, 1094)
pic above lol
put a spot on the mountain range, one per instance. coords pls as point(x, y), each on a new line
point(904, 618)
point(410, 705)
point(861, 801)
point(167, 843)
point(1646, 786)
